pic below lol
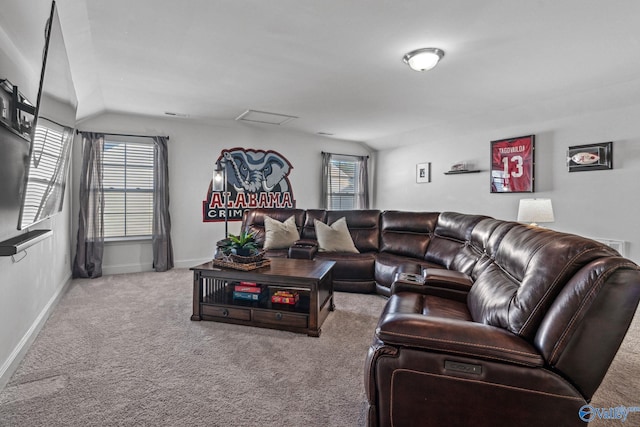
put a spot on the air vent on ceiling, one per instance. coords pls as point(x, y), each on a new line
point(264, 117)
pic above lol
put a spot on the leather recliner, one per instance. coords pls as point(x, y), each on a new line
point(543, 317)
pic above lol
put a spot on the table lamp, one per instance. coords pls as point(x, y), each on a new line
point(535, 211)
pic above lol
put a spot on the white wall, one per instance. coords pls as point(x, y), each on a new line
point(30, 285)
point(597, 204)
point(193, 150)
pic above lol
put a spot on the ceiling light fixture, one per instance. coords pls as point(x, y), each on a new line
point(423, 59)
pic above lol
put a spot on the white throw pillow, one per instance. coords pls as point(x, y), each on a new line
point(280, 235)
point(334, 238)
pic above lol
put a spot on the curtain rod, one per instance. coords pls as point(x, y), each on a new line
point(78, 131)
point(338, 154)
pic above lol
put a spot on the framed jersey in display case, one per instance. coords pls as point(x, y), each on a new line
point(512, 165)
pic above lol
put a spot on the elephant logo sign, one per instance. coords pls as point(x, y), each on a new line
point(255, 179)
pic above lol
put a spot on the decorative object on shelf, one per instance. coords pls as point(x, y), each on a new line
point(423, 172)
point(535, 211)
point(423, 59)
point(512, 165)
point(590, 157)
point(459, 167)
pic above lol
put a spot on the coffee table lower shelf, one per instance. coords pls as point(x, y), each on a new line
point(223, 308)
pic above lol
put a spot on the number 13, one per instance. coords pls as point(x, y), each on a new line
point(517, 173)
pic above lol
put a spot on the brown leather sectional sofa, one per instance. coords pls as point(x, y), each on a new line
point(507, 325)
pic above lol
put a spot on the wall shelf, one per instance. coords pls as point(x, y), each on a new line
point(461, 172)
point(20, 243)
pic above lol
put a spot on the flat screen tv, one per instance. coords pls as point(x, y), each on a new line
point(52, 131)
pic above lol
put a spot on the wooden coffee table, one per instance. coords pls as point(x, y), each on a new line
point(312, 280)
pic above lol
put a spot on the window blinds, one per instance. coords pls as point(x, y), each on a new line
point(128, 189)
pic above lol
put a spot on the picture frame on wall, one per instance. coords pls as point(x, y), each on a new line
point(590, 157)
point(423, 173)
point(512, 165)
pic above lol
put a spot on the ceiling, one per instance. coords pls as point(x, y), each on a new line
point(337, 64)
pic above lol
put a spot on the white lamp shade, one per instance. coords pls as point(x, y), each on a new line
point(535, 210)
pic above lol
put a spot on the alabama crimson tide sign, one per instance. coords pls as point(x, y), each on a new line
point(255, 179)
point(512, 163)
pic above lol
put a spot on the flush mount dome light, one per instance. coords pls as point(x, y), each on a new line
point(423, 59)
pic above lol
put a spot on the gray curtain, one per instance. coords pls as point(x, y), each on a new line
point(326, 184)
point(362, 196)
point(90, 245)
point(162, 248)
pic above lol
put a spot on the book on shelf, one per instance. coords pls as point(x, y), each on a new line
point(243, 283)
point(244, 288)
point(246, 296)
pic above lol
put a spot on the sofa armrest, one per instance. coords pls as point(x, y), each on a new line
point(434, 281)
point(456, 336)
point(444, 278)
point(303, 249)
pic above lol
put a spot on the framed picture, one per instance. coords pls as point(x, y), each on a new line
point(590, 157)
point(423, 173)
point(512, 165)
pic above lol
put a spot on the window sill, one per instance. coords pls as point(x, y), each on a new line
point(121, 240)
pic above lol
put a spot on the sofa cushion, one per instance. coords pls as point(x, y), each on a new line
point(280, 235)
point(350, 266)
point(450, 243)
point(334, 237)
point(406, 233)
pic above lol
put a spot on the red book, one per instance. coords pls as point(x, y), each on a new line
point(248, 284)
point(244, 288)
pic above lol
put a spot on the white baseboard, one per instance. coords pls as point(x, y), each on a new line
point(13, 361)
point(125, 268)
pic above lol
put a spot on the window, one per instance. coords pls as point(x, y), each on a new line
point(47, 172)
point(128, 189)
point(346, 180)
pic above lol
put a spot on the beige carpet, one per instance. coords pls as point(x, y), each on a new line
point(121, 351)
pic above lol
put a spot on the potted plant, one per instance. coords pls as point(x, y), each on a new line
point(243, 244)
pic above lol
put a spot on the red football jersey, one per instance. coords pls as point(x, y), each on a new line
point(512, 165)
